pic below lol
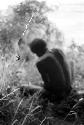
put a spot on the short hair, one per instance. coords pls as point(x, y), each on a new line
point(38, 45)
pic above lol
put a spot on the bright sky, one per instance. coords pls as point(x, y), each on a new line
point(68, 17)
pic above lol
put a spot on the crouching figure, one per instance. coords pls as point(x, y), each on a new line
point(54, 71)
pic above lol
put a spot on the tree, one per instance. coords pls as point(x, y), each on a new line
point(33, 13)
point(27, 21)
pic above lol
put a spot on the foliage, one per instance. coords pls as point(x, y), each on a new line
point(76, 53)
point(32, 109)
point(25, 21)
point(28, 21)
point(33, 13)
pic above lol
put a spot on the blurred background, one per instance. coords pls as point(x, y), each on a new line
point(59, 22)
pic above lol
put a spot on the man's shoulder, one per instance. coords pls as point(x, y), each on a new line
point(48, 58)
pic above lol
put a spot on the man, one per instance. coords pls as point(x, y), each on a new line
point(51, 71)
point(60, 56)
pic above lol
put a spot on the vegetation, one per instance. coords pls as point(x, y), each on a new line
point(27, 21)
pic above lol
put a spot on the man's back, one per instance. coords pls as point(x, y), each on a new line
point(52, 74)
point(59, 55)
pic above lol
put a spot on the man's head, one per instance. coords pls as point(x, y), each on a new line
point(38, 46)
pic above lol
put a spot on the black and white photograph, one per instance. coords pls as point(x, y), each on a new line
point(42, 62)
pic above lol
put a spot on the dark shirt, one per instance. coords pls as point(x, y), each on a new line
point(52, 74)
point(60, 56)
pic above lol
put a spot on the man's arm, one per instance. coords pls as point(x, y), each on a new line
point(43, 72)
